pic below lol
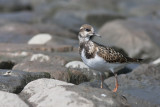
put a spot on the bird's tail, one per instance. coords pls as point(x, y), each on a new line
point(135, 60)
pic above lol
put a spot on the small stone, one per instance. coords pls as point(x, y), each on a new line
point(40, 39)
point(40, 57)
point(76, 64)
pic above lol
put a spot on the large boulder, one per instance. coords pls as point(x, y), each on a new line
point(139, 38)
point(50, 92)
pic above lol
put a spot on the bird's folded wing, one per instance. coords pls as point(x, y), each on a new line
point(110, 55)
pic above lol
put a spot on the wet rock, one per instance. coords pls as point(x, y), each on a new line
point(49, 92)
point(14, 80)
point(11, 100)
point(136, 37)
point(141, 86)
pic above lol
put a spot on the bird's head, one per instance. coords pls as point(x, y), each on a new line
point(86, 33)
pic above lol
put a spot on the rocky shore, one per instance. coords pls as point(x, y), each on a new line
point(39, 61)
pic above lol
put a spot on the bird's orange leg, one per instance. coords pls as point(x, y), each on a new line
point(116, 83)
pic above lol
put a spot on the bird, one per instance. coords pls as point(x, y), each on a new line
point(99, 57)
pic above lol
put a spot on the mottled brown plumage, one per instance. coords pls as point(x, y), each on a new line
point(89, 49)
point(108, 54)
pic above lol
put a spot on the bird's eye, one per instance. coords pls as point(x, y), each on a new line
point(87, 30)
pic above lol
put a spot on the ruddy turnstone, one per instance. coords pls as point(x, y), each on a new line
point(99, 57)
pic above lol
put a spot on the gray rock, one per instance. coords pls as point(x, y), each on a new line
point(137, 37)
point(49, 92)
point(14, 5)
point(11, 100)
point(141, 86)
point(14, 81)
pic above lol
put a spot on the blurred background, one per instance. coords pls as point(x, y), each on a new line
point(133, 25)
point(41, 36)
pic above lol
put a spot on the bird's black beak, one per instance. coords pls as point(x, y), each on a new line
point(95, 34)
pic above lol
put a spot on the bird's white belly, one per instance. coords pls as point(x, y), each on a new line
point(99, 64)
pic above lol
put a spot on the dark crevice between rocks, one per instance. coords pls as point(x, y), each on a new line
point(6, 64)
